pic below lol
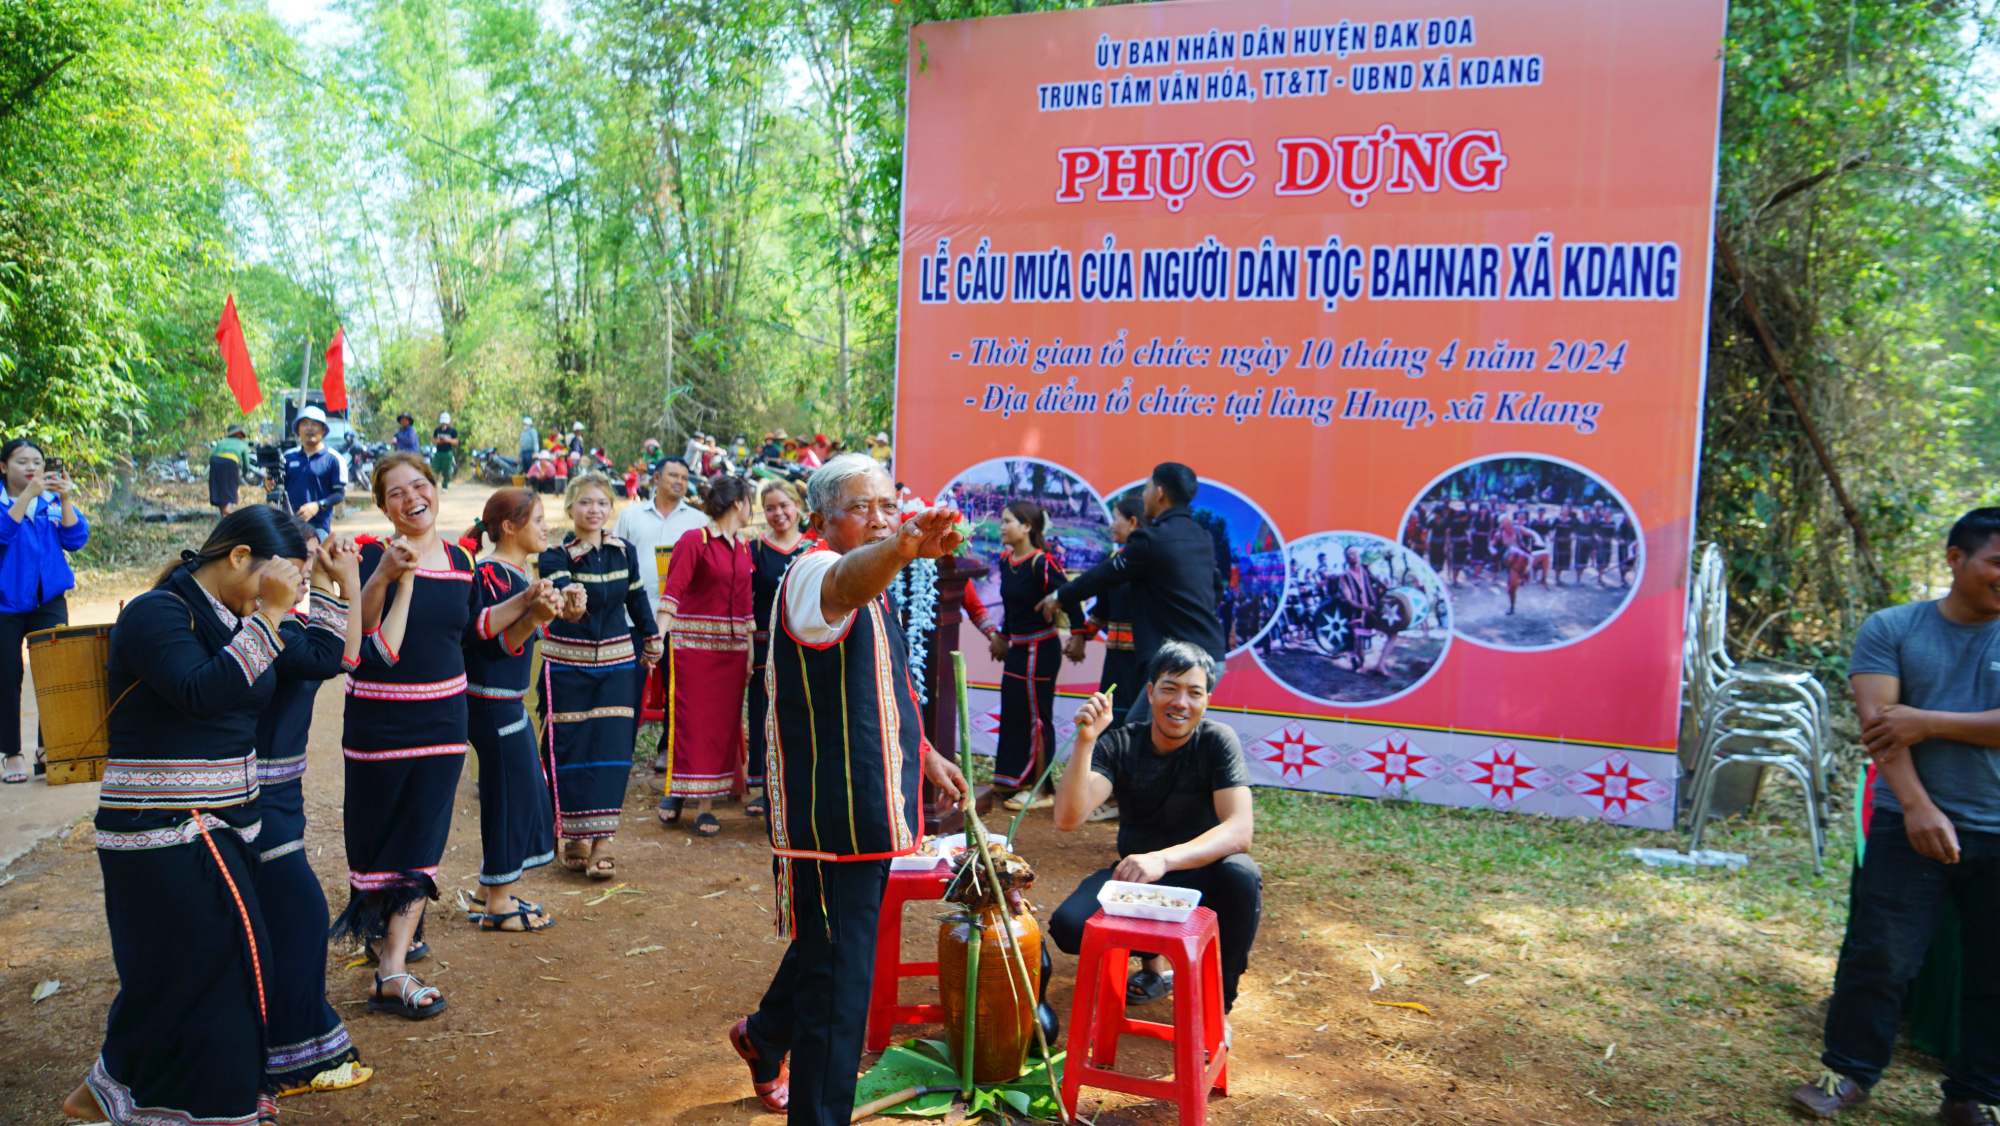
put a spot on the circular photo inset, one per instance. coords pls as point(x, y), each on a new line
point(1249, 553)
point(1079, 528)
point(1536, 552)
point(1367, 620)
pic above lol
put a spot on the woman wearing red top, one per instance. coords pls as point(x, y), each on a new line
point(705, 607)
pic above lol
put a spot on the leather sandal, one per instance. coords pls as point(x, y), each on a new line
point(775, 1094)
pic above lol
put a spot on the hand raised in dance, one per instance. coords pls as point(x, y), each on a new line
point(930, 534)
point(576, 603)
point(399, 559)
point(343, 563)
point(547, 602)
point(278, 583)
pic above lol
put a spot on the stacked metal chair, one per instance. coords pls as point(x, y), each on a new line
point(1760, 713)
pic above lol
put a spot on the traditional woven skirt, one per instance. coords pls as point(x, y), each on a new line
point(593, 721)
point(306, 1036)
point(185, 1041)
point(1027, 708)
point(224, 477)
point(704, 741)
point(516, 816)
point(398, 804)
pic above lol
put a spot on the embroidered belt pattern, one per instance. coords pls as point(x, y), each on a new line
point(173, 835)
point(491, 692)
point(403, 752)
point(383, 690)
point(1031, 638)
point(565, 651)
point(148, 783)
point(594, 713)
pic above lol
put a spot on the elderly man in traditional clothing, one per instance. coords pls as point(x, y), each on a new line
point(845, 766)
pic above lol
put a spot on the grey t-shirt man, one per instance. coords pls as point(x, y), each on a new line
point(1943, 667)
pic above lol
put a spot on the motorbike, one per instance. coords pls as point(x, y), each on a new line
point(493, 467)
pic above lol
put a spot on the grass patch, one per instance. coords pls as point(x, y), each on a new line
point(1686, 994)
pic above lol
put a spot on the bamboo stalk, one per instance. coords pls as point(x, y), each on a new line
point(1037, 787)
point(1020, 960)
point(887, 1101)
point(972, 942)
point(964, 727)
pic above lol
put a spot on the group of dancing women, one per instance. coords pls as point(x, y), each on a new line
point(1524, 542)
point(219, 929)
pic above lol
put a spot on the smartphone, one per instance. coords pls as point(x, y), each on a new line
point(52, 467)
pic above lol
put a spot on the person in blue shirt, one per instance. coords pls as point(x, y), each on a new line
point(406, 432)
point(315, 477)
point(38, 528)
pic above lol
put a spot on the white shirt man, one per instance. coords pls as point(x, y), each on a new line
point(659, 524)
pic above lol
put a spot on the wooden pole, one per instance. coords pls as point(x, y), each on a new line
point(1769, 345)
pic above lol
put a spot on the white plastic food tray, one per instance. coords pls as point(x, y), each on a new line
point(1146, 910)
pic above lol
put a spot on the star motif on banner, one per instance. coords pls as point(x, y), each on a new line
point(1292, 752)
point(1616, 786)
point(1503, 774)
point(1395, 762)
point(987, 723)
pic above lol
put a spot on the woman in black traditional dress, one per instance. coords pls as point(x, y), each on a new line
point(177, 819)
point(591, 674)
point(770, 557)
point(405, 735)
point(1030, 649)
point(516, 812)
point(308, 1047)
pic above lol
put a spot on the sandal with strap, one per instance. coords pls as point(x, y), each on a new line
point(670, 812)
point(523, 913)
point(707, 826)
point(574, 861)
point(602, 867)
point(1145, 987)
point(409, 1000)
point(759, 806)
point(775, 1094)
point(533, 908)
point(16, 775)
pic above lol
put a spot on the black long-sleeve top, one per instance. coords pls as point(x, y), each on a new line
point(1175, 584)
point(314, 650)
point(609, 574)
point(187, 680)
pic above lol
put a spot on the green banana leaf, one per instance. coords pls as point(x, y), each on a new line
point(928, 1063)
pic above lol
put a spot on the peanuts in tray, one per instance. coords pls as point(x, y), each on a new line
point(1150, 898)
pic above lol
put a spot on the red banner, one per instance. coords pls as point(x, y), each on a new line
point(335, 382)
point(242, 377)
point(1420, 293)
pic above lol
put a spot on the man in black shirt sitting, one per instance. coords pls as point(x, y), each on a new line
point(1184, 795)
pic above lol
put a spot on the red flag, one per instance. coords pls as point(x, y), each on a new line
point(335, 382)
point(236, 358)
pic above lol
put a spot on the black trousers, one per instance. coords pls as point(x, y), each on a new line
point(1232, 887)
point(14, 627)
point(817, 1005)
point(1896, 900)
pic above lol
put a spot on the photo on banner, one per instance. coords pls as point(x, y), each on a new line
point(1537, 553)
point(1249, 555)
point(1367, 621)
point(1380, 271)
point(1079, 528)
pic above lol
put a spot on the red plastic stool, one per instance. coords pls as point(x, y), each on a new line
point(884, 1010)
point(1097, 1011)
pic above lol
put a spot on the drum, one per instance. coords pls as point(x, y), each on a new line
point(71, 695)
point(1403, 607)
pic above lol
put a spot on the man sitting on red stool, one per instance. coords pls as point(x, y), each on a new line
point(1185, 819)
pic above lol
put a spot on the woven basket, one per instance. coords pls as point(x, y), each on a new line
point(71, 695)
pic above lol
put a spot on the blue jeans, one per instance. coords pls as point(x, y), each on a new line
point(1897, 897)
